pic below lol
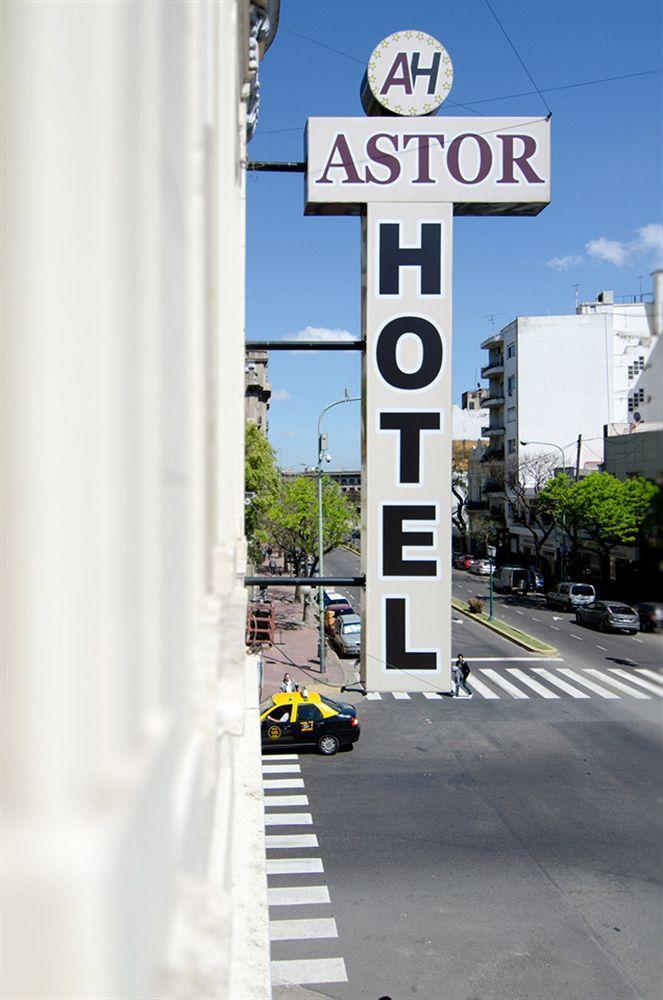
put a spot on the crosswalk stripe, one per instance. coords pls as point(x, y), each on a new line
point(296, 930)
point(558, 682)
point(503, 682)
point(531, 682)
point(273, 783)
point(298, 895)
point(647, 685)
point(373, 696)
point(291, 840)
point(281, 769)
point(651, 673)
point(274, 757)
point(579, 679)
point(294, 972)
point(285, 800)
point(288, 819)
point(401, 695)
point(293, 866)
point(618, 684)
point(482, 688)
point(432, 695)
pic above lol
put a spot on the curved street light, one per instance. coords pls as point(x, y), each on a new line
point(323, 455)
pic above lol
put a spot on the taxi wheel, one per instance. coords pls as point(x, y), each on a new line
point(328, 744)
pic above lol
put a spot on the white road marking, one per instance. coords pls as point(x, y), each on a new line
point(507, 685)
point(601, 647)
point(558, 682)
point(615, 683)
point(274, 783)
point(431, 695)
point(297, 930)
point(514, 659)
point(293, 866)
point(519, 612)
point(288, 819)
point(587, 683)
point(651, 673)
point(275, 757)
point(291, 840)
point(481, 688)
point(647, 685)
point(401, 695)
point(635, 639)
point(536, 619)
point(373, 696)
point(557, 618)
point(281, 769)
point(293, 972)
point(574, 636)
point(286, 800)
point(531, 682)
point(555, 627)
point(297, 895)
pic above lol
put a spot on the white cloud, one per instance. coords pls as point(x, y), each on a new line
point(647, 243)
point(651, 239)
point(613, 251)
point(320, 333)
point(280, 396)
point(565, 263)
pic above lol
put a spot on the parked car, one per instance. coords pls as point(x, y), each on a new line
point(334, 597)
point(609, 616)
point(568, 596)
point(459, 560)
point(346, 635)
point(466, 562)
point(509, 578)
point(481, 567)
point(651, 616)
point(295, 718)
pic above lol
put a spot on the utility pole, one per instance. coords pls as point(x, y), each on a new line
point(578, 447)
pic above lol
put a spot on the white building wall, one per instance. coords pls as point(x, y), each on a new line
point(132, 843)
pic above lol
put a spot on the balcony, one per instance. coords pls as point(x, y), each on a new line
point(493, 342)
point(492, 368)
point(493, 455)
point(493, 401)
point(492, 430)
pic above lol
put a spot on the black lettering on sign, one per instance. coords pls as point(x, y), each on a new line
point(410, 427)
point(427, 257)
point(394, 539)
point(431, 354)
point(397, 655)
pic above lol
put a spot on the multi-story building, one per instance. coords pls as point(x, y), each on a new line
point(257, 390)
point(133, 828)
point(554, 382)
point(474, 399)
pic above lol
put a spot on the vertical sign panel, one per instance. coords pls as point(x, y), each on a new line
point(407, 447)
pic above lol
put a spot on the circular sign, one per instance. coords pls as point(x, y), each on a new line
point(273, 732)
point(409, 73)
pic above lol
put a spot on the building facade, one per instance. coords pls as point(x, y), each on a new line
point(257, 390)
point(133, 850)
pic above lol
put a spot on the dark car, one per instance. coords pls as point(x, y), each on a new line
point(297, 718)
point(609, 616)
point(651, 616)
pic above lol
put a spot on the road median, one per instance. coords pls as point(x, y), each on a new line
point(522, 639)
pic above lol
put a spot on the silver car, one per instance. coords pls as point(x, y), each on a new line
point(609, 616)
point(571, 595)
point(346, 635)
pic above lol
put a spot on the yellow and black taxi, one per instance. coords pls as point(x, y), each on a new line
point(299, 718)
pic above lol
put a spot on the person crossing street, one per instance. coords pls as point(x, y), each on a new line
point(459, 674)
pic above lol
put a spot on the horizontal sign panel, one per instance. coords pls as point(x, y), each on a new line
point(485, 166)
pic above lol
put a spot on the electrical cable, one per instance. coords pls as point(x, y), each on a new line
point(518, 57)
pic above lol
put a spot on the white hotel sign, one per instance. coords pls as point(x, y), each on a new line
point(407, 177)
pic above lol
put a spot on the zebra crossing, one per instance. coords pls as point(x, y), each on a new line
point(283, 789)
point(553, 682)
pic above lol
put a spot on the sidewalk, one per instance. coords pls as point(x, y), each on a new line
point(295, 649)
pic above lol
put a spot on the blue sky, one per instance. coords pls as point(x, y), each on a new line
point(599, 231)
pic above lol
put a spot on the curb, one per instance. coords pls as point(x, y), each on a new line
point(543, 648)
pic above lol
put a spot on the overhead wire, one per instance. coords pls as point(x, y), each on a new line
point(518, 57)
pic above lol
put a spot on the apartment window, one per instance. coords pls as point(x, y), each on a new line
point(511, 385)
point(636, 368)
point(511, 350)
point(510, 414)
point(511, 446)
point(636, 398)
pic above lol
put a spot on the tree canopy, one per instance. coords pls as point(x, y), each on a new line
point(261, 483)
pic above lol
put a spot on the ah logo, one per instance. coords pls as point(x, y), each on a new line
point(409, 73)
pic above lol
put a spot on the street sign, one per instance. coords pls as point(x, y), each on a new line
point(407, 174)
point(492, 551)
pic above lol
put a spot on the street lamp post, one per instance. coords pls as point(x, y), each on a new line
point(549, 444)
point(323, 455)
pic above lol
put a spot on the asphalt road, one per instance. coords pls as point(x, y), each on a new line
point(485, 849)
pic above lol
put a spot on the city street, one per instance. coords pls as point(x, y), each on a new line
point(503, 847)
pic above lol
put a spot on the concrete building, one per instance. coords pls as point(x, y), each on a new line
point(133, 851)
point(257, 390)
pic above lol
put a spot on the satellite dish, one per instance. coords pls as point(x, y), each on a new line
point(637, 416)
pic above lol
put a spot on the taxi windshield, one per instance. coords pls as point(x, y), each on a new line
point(264, 705)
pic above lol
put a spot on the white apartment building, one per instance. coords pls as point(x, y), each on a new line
point(133, 829)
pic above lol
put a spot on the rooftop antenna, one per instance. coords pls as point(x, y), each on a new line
point(577, 297)
point(492, 317)
point(640, 283)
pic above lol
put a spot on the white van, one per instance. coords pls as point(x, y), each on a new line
point(509, 578)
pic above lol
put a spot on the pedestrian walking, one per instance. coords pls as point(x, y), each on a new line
point(459, 674)
point(287, 684)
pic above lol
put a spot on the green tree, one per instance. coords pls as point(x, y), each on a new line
point(261, 484)
point(291, 519)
